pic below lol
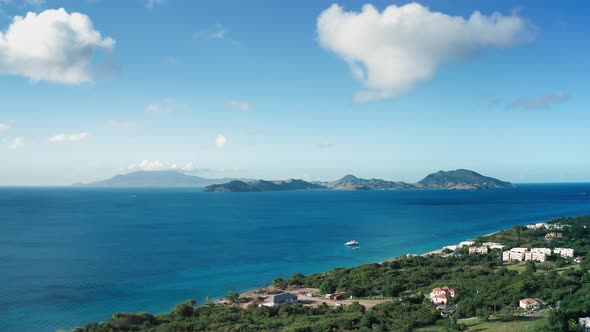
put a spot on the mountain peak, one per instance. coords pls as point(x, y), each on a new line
point(349, 177)
point(461, 179)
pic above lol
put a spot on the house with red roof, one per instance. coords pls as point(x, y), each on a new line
point(441, 295)
point(529, 303)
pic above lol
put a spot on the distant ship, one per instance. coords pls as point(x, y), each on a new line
point(351, 243)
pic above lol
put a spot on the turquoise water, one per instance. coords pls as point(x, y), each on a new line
point(71, 255)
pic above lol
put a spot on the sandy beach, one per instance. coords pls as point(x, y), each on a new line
point(439, 251)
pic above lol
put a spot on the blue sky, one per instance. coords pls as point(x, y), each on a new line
point(259, 90)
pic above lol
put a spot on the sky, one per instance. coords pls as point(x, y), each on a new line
point(304, 89)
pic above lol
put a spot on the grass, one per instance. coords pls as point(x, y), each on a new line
point(517, 324)
point(521, 266)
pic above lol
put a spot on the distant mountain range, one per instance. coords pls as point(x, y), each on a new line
point(460, 179)
point(156, 179)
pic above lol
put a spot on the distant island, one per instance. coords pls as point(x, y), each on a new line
point(460, 179)
point(162, 179)
point(262, 185)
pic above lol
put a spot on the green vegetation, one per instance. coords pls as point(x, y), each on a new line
point(488, 294)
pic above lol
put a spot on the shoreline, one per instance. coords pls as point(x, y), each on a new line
point(439, 251)
point(269, 287)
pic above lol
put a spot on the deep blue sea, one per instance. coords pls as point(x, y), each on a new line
point(70, 255)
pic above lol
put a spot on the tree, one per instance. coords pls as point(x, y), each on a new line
point(530, 267)
point(483, 313)
point(327, 287)
point(232, 297)
point(186, 309)
point(279, 283)
point(356, 307)
point(506, 313)
point(296, 279)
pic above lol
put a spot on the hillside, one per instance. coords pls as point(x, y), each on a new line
point(351, 182)
point(461, 179)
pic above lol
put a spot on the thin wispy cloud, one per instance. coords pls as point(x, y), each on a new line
point(241, 105)
point(540, 102)
point(171, 60)
point(4, 127)
point(164, 107)
point(16, 143)
point(326, 145)
point(61, 138)
point(392, 51)
point(219, 32)
point(73, 41)
point(124, 124)
point(190, 167)
point(151, 4)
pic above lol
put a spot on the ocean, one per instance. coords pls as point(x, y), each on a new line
point(74, 255)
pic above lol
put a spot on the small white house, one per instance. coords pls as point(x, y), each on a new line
point(280, 299)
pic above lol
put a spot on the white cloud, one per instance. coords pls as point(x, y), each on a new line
point(60, 138)
point(16, 143)
point(54, 46)
point(123, 124)
point(241, 105)
point(220, 141)
point(157, 165)
point(153, 3)
point(165, 107)
point(4, 127)
point(151, 165)
point(541, 101)
point(392, 51)
point(190, 167)
point(220, 32)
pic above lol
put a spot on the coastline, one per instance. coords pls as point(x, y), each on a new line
point(269, 288)
point(439, 251)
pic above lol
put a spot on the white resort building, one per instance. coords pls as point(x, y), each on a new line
point(564, 252)
point(538, 256)
point(537, 225)
point(493, 245)
point(478, 250)
point(514, 254)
